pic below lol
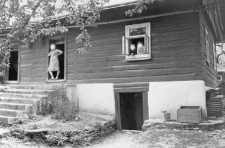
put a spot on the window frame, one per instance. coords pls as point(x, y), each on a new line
point(147, 39)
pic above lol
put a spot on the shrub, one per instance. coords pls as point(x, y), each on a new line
point(58, 104)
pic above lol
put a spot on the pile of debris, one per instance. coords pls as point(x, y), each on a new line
point(59, 138)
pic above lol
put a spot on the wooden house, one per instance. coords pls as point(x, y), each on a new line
point(173, 40)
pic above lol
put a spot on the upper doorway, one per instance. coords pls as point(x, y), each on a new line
point(12, 72)
point(60, 60)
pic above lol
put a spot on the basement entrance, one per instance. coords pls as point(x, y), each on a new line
point(132, 110)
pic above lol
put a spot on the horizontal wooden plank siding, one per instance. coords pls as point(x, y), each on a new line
point(175, 43)
point(176, 55)
point(209, 74)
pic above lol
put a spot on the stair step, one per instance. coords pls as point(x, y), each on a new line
point(19, 100)
point(15, 106)
point(11, 113)
point(27, 91)
point(39, 86)
point(18, 95)
point(7, 120)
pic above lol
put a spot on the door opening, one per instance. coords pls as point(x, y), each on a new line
point(131, 110)
point(12, 73)
point(13, 69)
point(59, 45)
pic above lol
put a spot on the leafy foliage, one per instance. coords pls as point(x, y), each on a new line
point(27, 20)
point(58, 104)
point(140, 6)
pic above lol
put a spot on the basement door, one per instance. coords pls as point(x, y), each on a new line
point(12, 73)
point(131, 110)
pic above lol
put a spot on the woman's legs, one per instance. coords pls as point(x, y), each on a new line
point(51, 74)
point(57, 76)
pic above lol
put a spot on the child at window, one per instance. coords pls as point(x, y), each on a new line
point(140, 48)
point(54, 61)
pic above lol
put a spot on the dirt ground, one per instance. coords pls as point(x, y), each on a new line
point(154, 138)
point(158, 136)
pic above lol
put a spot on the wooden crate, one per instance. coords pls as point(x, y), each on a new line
point(189, 114)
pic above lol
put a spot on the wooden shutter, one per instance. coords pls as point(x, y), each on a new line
point(147, 44)
point(123, 46)
point(214, 57)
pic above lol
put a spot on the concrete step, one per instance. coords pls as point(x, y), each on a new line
point(12, 113)
point(7, 120)
point(19, 100)
point(27, 91)
point(15, 106)
point(19, 95)
point(38, 86)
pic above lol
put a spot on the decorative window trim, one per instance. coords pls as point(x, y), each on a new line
point(147, 41)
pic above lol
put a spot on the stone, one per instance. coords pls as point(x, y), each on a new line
point(4, 132)
point(36, 131)
point(151, 122)
point(219, 131)
point(90, 129)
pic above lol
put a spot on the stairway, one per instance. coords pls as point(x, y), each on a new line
point(17, 101)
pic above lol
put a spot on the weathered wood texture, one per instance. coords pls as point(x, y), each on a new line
point(222, 8)
point(176, 55)
point(209, 74)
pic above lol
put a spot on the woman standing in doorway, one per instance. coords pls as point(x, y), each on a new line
point(54, 61)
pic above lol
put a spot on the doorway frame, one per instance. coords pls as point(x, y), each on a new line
point(118, 110)
point(5, 78)
point(57, 37)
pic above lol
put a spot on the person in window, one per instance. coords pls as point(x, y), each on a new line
point(133, 49)
point(54, 61)
point(141, 48)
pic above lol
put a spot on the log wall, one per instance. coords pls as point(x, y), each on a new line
point(209, 73)
point(176, 55)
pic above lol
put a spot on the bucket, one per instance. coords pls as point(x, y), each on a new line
point(166, 116)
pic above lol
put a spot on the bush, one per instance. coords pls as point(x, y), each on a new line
point(58, 104)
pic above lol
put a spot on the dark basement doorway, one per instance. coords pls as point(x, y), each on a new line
point(131, 110)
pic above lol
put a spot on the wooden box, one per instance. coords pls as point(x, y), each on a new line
point(189, 114)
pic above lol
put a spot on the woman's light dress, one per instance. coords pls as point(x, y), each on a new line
point(54, 61)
